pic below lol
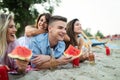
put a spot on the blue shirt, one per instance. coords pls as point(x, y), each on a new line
point(40, 45)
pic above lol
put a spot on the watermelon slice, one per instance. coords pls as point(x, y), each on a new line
point(72, 51)
point(21, 53)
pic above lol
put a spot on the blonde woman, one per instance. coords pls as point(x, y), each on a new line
point(8, 43)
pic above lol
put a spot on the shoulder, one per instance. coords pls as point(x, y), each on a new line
point(21, 38)
point(40, 37)
point(12, 45)
point(29, 26)
point(15, 43)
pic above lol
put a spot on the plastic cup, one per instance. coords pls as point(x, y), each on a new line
point(107, 51)
point(91, 58)
point(75, 62)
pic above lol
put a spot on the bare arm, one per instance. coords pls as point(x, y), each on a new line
point(66, 38)
point(31, 31)
point(81, 43)
point(53, 63)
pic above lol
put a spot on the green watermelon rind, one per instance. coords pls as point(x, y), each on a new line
point(68, 55)
point(19, 57)
point(21, 52)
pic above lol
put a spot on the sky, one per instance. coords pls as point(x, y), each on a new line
point(102, 15)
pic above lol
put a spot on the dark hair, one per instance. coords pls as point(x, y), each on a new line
point(71, 33)
point(57, 18)
point(47, 17)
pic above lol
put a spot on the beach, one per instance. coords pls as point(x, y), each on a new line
point(105, 68)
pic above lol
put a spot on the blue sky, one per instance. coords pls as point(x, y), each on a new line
point(103, 15)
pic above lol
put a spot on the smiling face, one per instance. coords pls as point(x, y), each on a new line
point(57, 30)
point(11, 31)
point(77, 27)
point(42, 24)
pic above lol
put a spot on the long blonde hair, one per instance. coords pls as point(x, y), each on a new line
point(4, 22)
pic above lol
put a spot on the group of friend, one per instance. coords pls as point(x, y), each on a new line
point(48, 39)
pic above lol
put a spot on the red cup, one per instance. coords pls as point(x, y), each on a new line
point(107, 51)
point(75, 62)
point(3, 73)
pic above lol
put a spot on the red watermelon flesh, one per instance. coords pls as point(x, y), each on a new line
point(72, 51)
point(21, 53)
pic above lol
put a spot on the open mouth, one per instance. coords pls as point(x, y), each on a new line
point(12, 35)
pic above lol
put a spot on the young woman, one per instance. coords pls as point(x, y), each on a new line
point(8, 43)
point(73, 30)
point(41, 25)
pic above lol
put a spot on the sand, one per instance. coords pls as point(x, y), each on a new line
point(105, 68)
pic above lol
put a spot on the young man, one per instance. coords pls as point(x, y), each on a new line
point(48, 48)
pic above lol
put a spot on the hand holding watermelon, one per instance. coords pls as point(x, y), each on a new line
point(22, 65)
point(22, 56)
point(73, 52)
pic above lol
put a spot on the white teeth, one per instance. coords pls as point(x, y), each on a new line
point(13, 35)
